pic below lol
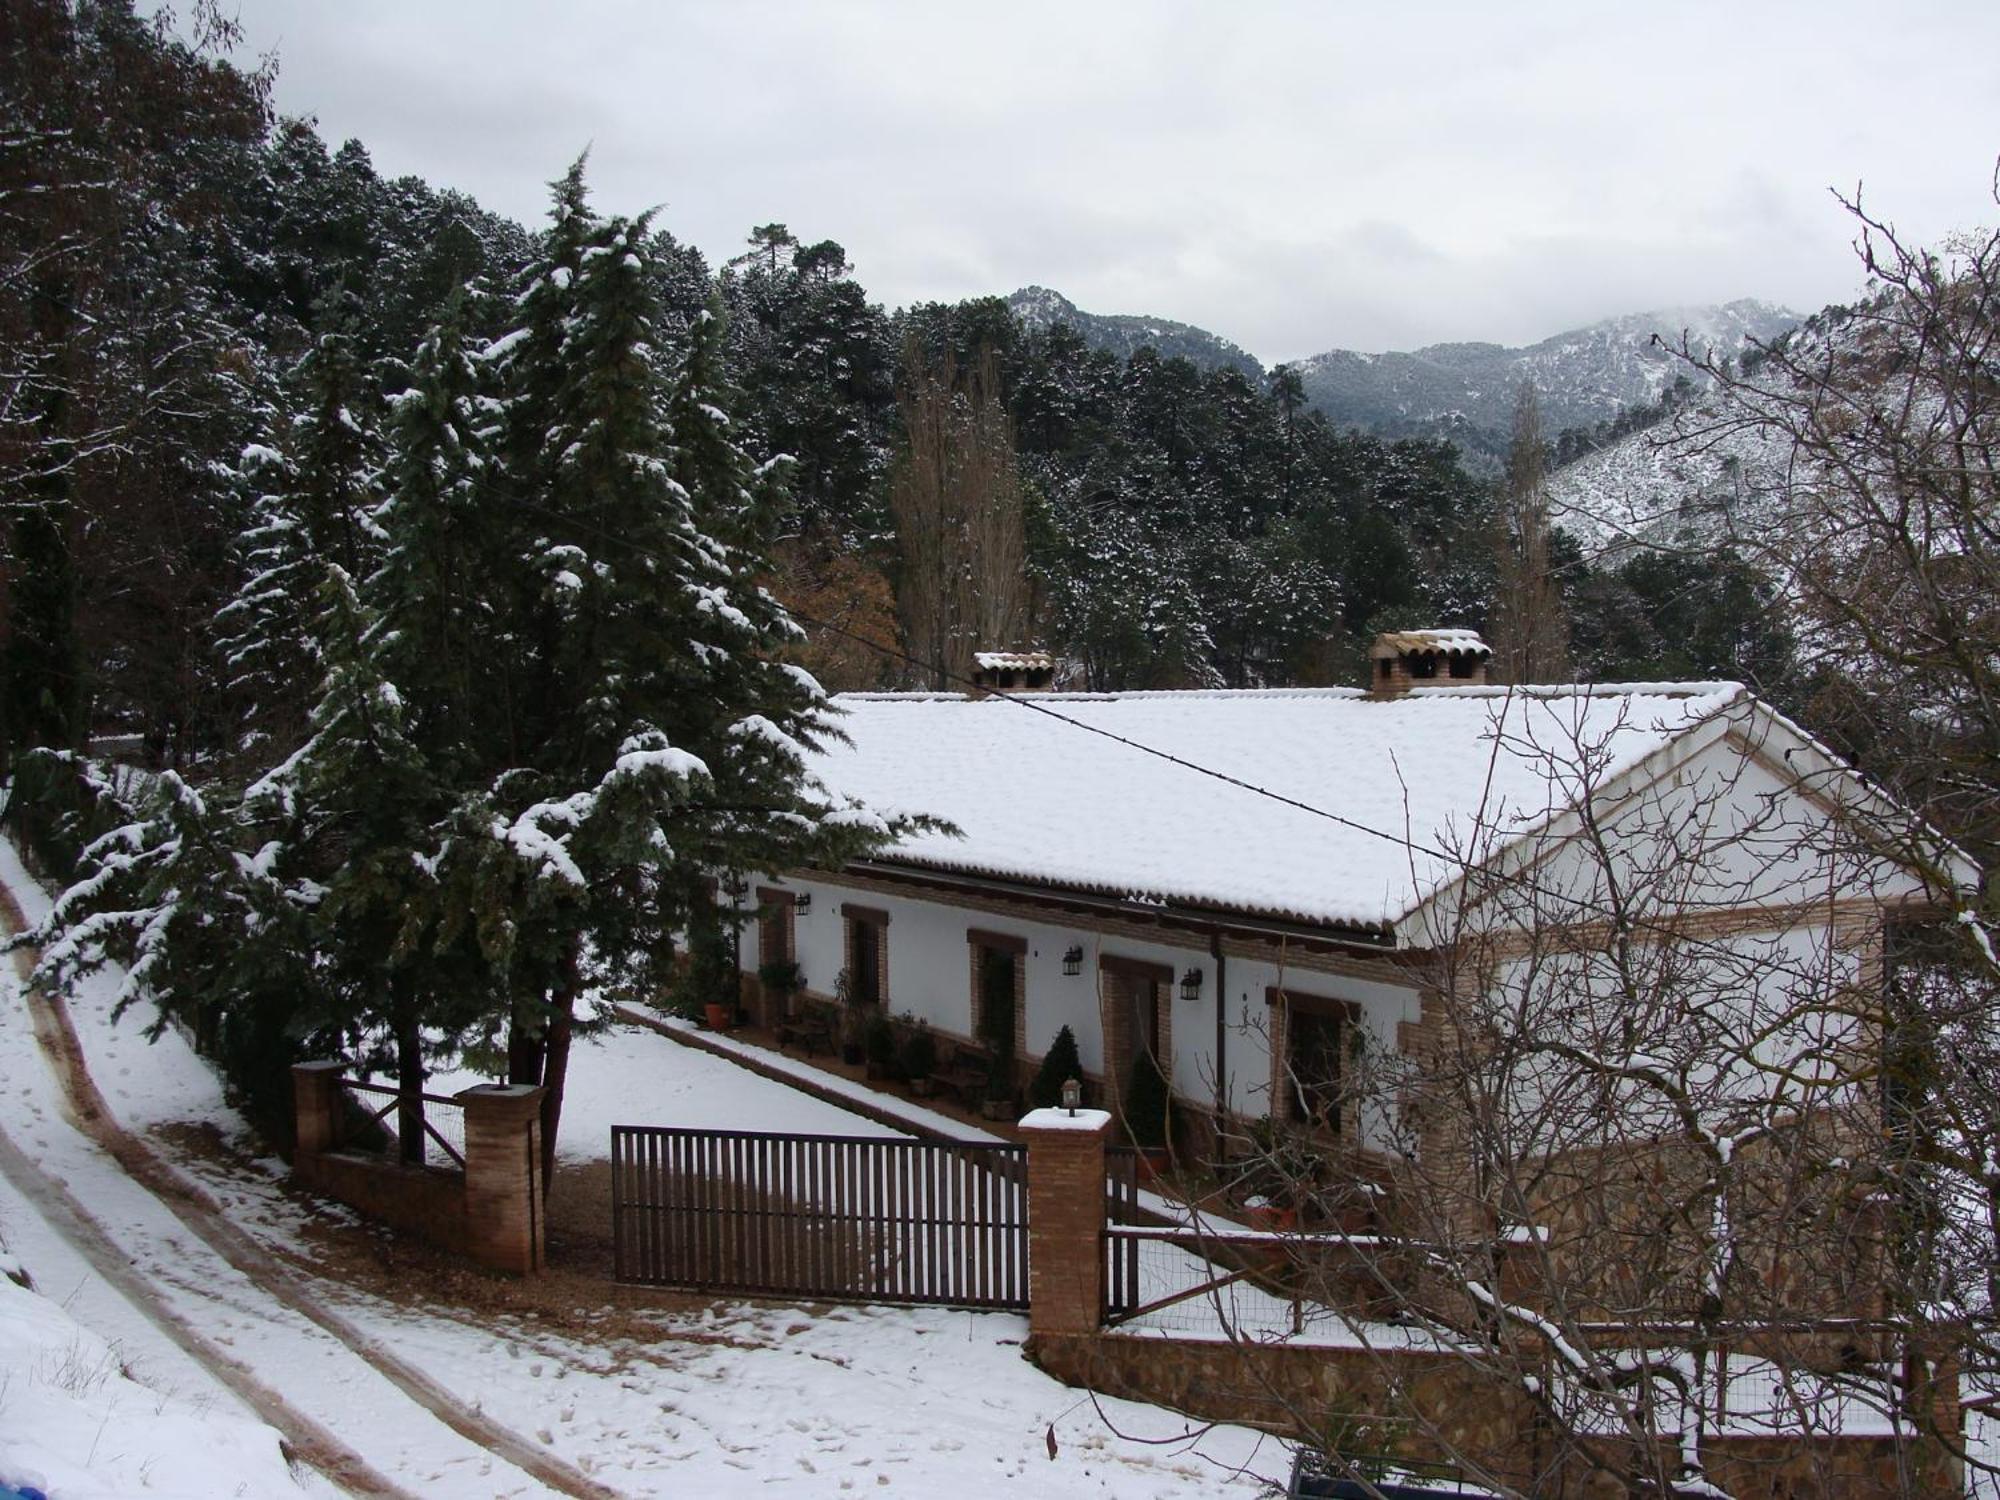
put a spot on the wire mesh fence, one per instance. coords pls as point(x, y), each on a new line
point(416, 1129)
point(1249, 1284)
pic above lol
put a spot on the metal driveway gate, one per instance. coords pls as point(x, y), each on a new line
point(821, 1216)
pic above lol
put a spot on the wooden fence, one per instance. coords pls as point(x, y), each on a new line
point(419, 1129)
point(826, 1217)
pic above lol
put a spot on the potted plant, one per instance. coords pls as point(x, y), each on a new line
point(918, 1057)
point(1060, 1064)
point(707, 977)
point(1145, 1106)
point(1281, 1173)
point(878, 1045)
point(851, 1051)
point(780, 980)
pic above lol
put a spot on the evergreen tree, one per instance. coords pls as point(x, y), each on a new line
point(653, 741)
point(316, 497)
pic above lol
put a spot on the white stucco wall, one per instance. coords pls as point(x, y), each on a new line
point(929, 976)
point(1720, 828)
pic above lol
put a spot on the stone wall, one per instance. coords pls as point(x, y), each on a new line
point(1415, 1404)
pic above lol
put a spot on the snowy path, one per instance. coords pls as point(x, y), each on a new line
point(684, 1398)
point(162, 1249)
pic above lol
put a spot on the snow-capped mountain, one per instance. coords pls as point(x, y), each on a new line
point(1583, 376)
point(1122, 333)
point(1464, 392)
point(1721, 465)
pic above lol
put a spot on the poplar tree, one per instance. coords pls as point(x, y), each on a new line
point(1530, 627)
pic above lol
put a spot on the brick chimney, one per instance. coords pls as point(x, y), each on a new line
point(1401, 659)
point(1011, 672)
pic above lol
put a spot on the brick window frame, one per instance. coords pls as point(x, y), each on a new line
point(1281, 1005)
point(865, 925)
point(979, 941)
point(777, 932)
point(1118, 981)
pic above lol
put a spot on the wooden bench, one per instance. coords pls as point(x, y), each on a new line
point(965, 1077)
point(811, 1032)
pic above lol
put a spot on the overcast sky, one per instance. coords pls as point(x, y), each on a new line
point(1293, 177)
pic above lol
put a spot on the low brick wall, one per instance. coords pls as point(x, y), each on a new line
point(491, 1212)
point(1422, 1405)
point(422, 1200)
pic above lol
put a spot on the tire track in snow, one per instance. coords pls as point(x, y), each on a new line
point(190, 1204)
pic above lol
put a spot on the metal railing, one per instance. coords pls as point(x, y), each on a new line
point(835, 1217)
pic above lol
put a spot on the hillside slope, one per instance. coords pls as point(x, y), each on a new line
point(1123, 334)
point(1583, 375)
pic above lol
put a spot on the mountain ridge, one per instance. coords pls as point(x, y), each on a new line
point(1461, 389)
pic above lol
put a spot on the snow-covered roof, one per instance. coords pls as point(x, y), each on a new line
point(1342, 808)
point(1449, 642)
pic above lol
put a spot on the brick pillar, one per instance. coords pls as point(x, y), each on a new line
point(315, 1105)
point(503, 1169)
point(1065, 1219)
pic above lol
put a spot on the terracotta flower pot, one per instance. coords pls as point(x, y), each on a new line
point(719, 1016)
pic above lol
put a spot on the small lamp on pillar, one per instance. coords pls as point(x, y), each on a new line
point(1072, 1094)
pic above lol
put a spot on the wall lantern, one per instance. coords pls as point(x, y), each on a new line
point(802, 901)
point(1073, 961)
point(1072, 1094)
point(1191, 985)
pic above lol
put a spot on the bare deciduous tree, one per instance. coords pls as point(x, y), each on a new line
point(1641, 1189)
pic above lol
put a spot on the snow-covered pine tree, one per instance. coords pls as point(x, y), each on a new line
point(316, 491)
point(651, 744)
point(365, 809)
point(440, 564)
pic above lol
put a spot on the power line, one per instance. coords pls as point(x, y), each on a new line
point(1460, 862)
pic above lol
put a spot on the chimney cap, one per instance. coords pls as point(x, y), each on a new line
point(1020, 661)
point(1394, 643)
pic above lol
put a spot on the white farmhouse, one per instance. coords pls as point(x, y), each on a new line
point(1276, 891)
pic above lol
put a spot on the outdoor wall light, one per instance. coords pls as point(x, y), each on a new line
point(802, 901)
point(1072, 1094)
point(1191, 985)
point(1073, 961)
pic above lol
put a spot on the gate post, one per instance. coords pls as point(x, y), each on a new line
point(315, 1106)
point(1065, 1220)
point(503, 1170)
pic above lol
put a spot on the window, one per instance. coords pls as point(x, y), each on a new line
point(774, 927)
point(867, 954)
point(999, 995)
point(1137, 1016)
point(1321, 1038)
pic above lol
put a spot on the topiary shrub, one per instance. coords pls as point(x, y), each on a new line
point(878, 1044)
point(1059, 1064)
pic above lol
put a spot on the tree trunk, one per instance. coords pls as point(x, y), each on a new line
point(527, 1042)
point(555, 1065)
point(409, 1075)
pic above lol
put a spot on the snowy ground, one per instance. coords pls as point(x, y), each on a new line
point(677, 1397)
